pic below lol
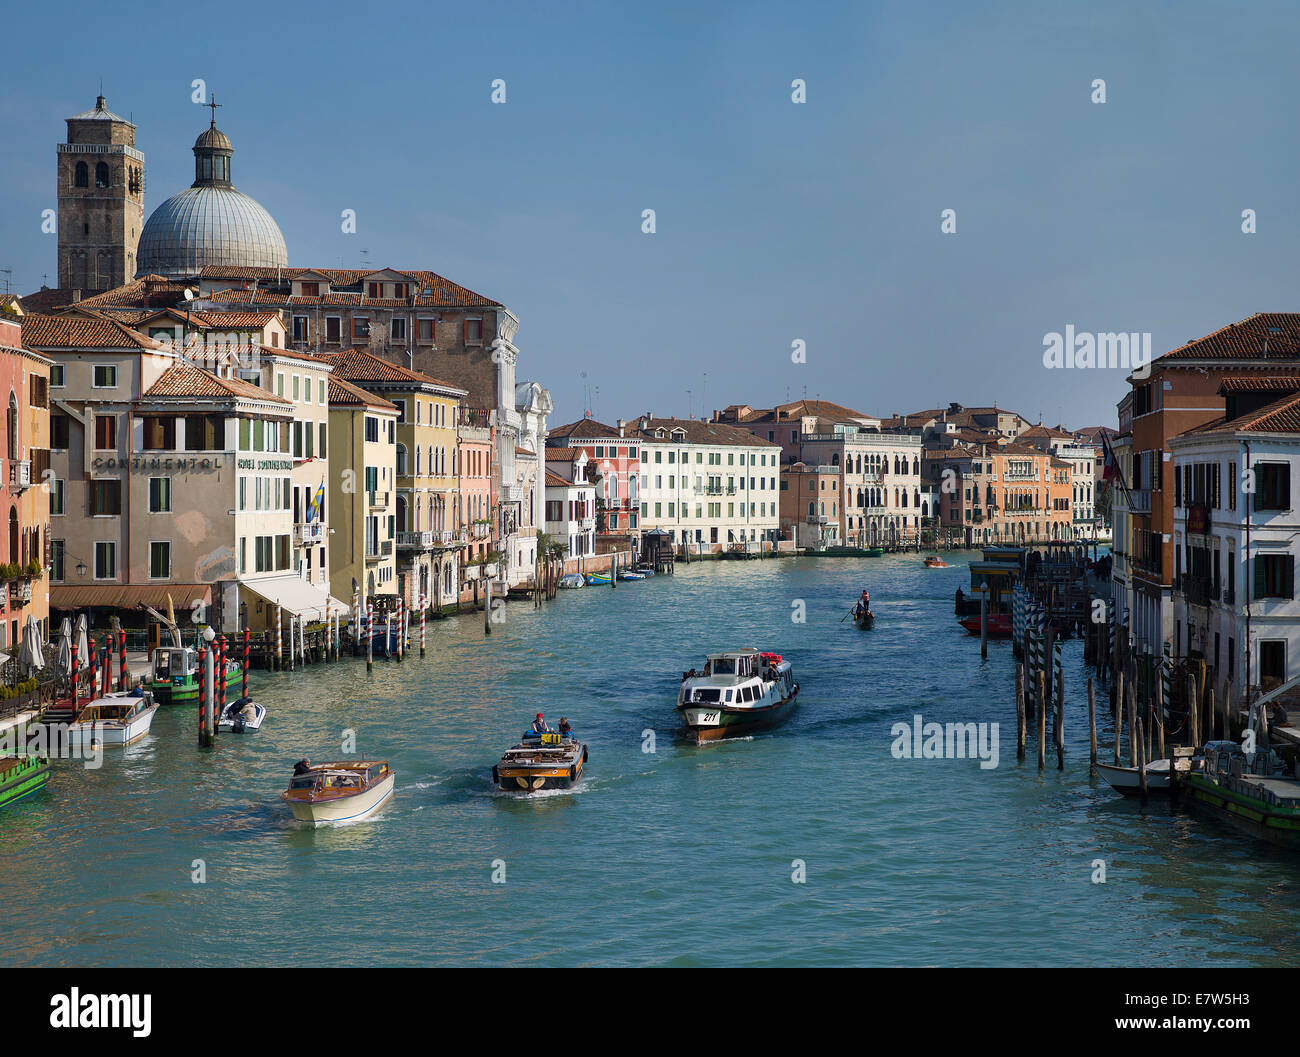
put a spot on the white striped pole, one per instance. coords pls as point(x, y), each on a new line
point(279, 639)
point(422, 618)
point(401, 625)
point(370, 637)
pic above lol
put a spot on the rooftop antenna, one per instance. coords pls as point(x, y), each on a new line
point(8, 273)
point(690, 407)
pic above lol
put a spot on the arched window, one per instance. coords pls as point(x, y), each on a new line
point(401, 512)
point(401, 461)
point(11, 426)
point(13, 534)
point(82, 175)
point(835, 459)
point(101, 174)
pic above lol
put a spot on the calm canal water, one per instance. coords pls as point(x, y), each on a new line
point(678, 857)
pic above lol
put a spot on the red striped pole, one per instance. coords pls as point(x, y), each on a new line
point(370, 638)
point(108, 665)
point(221, 678)
point(401, 626)
point(423, 609)
point(244, 691)
point(121, 649)
point(203, 686)
point(75, 661)
point(92, 664)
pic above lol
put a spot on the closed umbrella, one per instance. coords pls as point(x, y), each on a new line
point(83, 646)
point(33, 651)
point(64, 663)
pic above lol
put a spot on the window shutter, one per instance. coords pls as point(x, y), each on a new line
point(1258, 562)
point(1290, 576)
point(1284, 479)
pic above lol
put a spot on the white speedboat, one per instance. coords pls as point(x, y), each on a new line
point(572, 580)
point(239, 716)
point(116, 719)
point(631, 574)
point(738, 693)
point(344, 791)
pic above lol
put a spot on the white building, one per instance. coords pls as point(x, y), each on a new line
point(711, 485)
point(1234, 600)
point(880, 481)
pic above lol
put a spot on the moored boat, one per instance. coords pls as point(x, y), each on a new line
point(739, 692)
point(597, 578)
point(22, 776)
point(630, 574)
point(1127, 781)
point(570, 580)
point(998, 624)
point(342, 791)
point(175, 678)
point(541, 761)
point(116, 719)
point(1263, 804)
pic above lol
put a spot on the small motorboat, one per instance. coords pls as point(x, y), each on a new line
point(343, 791)
point(242, 715)
point(630, 574)
point(541, 761)
point(738, 693)
point(597, 578)
point(1125, 779)
point(999, 625)
point(935, 562)
point(175, 678)
point(569, 580)
point(116, 719)
point(22, 776)
point(645, 570)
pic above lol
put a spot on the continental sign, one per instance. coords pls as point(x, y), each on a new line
point(157, 463)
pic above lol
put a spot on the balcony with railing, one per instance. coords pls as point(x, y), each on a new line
point(1139, 500)
point(20, 473)
point(378, 500)
point(421, 541)
point(448, 538)
point(378, 552)
point(1198, 590)
point(306, 533)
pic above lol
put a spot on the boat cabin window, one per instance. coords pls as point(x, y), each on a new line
point(709, 694)
point(307, 781)
point(724, 666)
point(729, 695)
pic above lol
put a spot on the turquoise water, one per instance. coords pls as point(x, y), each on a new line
point(682, 856)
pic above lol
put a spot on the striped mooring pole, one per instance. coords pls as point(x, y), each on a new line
point(244, 686)
point(221, 678)
point(121, 649)
point(1166, 682)
point(203, 691)
point(423, 614)
point(107, 682)
point(356, 621)
point(401, 626)
point(370, 638)
point(279, 639)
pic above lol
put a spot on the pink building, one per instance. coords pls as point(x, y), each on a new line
point(614, 453)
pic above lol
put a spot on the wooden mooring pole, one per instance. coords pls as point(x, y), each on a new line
point(1042, 724)
point(1092, 725)
point(1020, 712)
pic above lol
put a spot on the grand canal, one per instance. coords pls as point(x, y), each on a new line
point(680, 856)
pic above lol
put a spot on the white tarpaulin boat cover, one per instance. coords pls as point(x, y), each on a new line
point(297, 596)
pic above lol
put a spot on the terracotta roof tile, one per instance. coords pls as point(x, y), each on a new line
point(185, 381)
point(1265, 336)
point(364, 367)
point(344, 393)
point(81, 332)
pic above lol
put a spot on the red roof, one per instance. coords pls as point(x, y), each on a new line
point(1263, 336)
point(184, 381)
point(344, 393)
point(81, 332)
point(360, 365)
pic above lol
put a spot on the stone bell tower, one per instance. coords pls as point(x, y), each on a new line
point(101, 201)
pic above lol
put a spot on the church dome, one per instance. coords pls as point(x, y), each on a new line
point(210, 223)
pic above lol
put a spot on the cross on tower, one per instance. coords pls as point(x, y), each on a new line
point(214, 104)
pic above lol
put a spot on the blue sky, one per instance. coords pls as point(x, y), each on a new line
point(775, 222)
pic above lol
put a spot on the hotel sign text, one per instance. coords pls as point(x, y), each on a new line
point(152, 464)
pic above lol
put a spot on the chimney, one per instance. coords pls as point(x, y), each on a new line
point(622, 424)
point(76, 296)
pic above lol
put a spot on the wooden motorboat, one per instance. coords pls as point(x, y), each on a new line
point(935, 562)
point(597, 578)
point(22, 776)
point(342, 791)
point(739, 692)
point(242, 715)
point(541, 761)
point(999, 625)
point(116, 719)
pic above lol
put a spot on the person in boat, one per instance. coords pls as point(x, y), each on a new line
point(248, 711)
point(303, 766)
point(566, 729)
point(539, 725)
